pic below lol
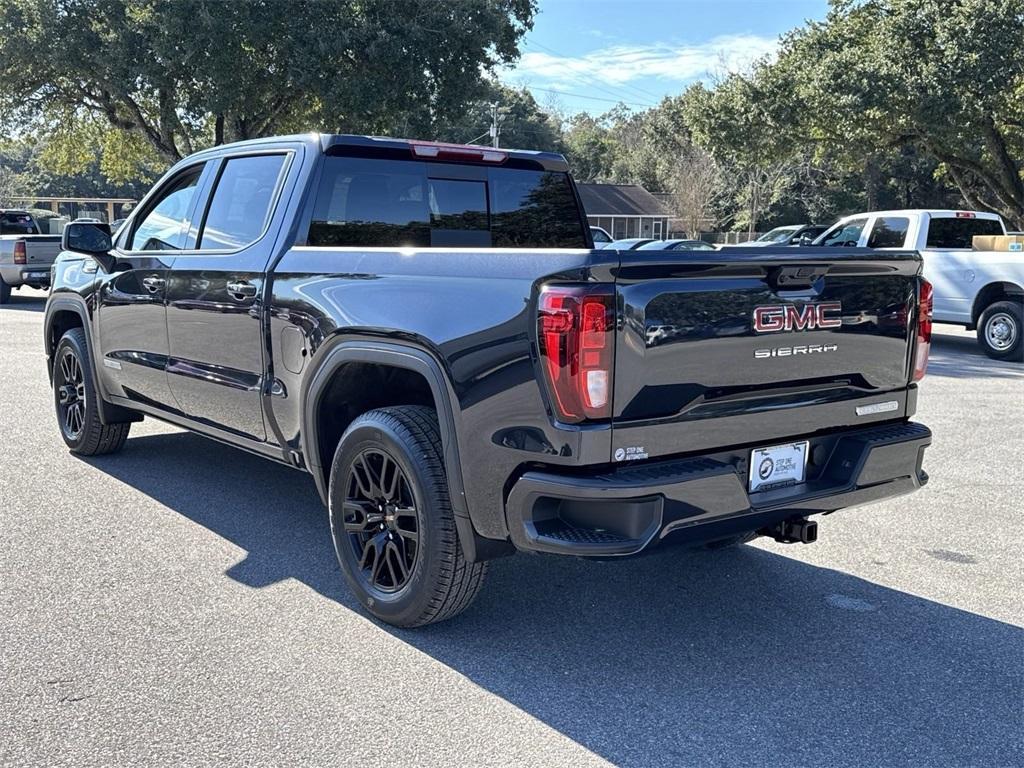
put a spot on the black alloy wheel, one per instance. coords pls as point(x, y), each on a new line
point(76, 402)
point(69, 383)
point(381, 520)
point(392, 521)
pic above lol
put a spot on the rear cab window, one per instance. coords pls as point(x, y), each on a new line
point(17, 223)
point(949, 233)
point(375, 202)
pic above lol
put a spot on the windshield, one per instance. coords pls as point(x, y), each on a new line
point(777, 235)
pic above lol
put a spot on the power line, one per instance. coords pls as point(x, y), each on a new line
point(569, 62)
point(591, 98)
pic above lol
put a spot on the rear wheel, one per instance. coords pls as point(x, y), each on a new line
point(1001, 331)
point(5, 292)
point(392, 521)
point(76, 403)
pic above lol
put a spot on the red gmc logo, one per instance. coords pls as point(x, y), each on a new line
point(787, 317)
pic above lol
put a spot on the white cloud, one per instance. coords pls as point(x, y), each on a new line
point(620, 64)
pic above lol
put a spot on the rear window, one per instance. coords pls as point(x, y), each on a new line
point(395, 203)
point(17, 224)
point(889, 232)
point(958, 233)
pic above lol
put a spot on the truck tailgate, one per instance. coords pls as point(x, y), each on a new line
point(41, 250)
point(750, 345)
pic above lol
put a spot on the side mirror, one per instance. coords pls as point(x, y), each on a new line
point(92, 239)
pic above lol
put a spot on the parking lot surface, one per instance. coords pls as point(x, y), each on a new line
point(180, 603)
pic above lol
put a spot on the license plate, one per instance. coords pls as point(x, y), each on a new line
point(778, 465)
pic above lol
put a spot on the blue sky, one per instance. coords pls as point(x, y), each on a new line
point(638, 51)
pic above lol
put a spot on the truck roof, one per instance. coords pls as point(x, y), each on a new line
point(940, 213)
point(339, 142)
point(550, 161)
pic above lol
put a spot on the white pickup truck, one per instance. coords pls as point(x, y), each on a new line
point(25, 253)
point(980, 290)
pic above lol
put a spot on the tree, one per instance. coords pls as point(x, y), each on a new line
point(698, 189)
point(939, 75)
point(181, 74)
point(942, 78)
point(589, 148)
point(524, 125)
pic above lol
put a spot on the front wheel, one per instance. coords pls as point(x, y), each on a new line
point(392, 520)
point(1001, 331)
point(76, 403)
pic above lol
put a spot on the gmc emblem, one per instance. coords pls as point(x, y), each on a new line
point(786, 317)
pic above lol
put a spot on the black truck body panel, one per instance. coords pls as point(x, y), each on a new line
point(171, 337)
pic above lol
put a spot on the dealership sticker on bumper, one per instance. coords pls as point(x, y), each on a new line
point(778, 465)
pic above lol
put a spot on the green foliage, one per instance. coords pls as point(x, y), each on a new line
point(879, 81)
point(589, 148)
point(523, 123)
point(181, 74)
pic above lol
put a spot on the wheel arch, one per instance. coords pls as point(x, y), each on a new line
point(62, 314)
point(998, 290)
point(401, 357)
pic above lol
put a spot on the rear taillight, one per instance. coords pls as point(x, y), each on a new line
point(575, 327)
point(924, 330)
point(20, 255)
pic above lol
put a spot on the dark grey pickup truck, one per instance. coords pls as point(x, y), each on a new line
point(427, 330)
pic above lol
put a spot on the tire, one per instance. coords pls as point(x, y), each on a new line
point(5, 292)
point(1001, 331)
point(395, 535)
point(76, 401)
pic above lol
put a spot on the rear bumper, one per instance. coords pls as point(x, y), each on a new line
point(37, 278)
point(695, 499)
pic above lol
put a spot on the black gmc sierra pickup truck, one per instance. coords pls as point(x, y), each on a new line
point(427, 330)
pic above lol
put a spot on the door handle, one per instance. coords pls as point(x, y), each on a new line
point(152, 283)
point(241, 290)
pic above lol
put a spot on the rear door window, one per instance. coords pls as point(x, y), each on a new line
point(949, 233)
point(846, 235)
point(889, 232)
point(241, 202)
point(395, 203)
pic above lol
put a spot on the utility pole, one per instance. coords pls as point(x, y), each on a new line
point(495, 127)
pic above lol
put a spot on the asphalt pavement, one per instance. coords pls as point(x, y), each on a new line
point(180, 604)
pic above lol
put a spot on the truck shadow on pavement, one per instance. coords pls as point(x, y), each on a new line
point(35, 302)
point(960, 357)
point(740, 657)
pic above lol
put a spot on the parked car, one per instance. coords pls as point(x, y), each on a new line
point(980, 290)
point(677, 245)
point(630, 244)
point(794, 234)
point(25, 253)
point(357, 308)
point(600, 237)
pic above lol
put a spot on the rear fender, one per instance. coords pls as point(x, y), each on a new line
point(416, 360)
